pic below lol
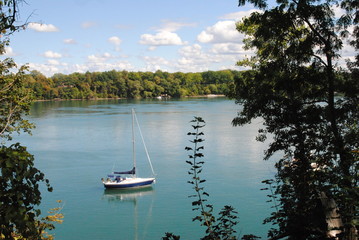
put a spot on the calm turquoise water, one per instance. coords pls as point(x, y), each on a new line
point(76, 143)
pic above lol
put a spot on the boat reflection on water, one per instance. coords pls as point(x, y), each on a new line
point(141, 225)
point(129, 195)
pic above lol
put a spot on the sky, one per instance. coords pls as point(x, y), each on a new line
point(135, 35)
point(101, 35)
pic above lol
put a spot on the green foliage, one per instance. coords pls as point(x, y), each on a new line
point(171, 236)
point(8, 17)
point(250, 237)
point(123, 84)
point(19, 192)
point(15, 100)
point(205, 218)
point(292, 87)
point(223, 226)
point(48, 222)
point(14, 97)
point(19, 179)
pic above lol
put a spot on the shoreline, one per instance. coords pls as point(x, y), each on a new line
point(95, 99)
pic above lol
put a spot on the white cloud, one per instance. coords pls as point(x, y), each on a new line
point(38, 27)
point(44, 68)
point(156, 63)
point(170, 26)
point(228, 48)
point(237, 16)
point(152, 48)
point(205, 37)
point(88, 24)
point(99, 57)
point(155, 60)
point(192, 58)
point(103, 66)
point(115, 41)
point(100, 63)
point(165, 35)
point(69, 41)
point(338, 11)
point(195, 58)
point(190, 65)
point(221, 32)
point(189, 51)
point(9, 52)
point(51, 54)
point(53, 62)
point(163, 38)
point(52, 66)
point(347, 50)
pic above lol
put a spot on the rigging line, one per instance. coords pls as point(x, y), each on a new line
point(133, 141)
point(144, 144)
point(113, 167)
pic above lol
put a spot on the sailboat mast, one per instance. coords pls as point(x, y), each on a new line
point(133, 141)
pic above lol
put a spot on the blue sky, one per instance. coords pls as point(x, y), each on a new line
point(100, 35)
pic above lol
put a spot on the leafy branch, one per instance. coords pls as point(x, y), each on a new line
point(216, 228)
point(223, 227)
point(206, 216)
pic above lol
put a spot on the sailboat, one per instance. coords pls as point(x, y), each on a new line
point(129, 179)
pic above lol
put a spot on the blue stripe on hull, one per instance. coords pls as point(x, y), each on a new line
point(132, 185)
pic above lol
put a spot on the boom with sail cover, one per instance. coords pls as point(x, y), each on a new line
point(132, 172)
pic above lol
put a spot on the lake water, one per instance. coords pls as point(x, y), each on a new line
point(76, 143)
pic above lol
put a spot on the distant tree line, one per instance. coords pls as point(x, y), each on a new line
point(124, 84)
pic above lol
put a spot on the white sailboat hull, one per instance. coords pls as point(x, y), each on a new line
point(128, 183)
point(115, 179)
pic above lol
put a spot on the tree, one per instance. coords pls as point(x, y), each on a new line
point(19, 179)
point(14, 98)
point(295, 74)
point(19, 193)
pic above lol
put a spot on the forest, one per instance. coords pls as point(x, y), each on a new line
point(124, 84)
point(292, 86)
